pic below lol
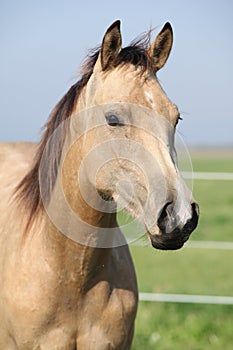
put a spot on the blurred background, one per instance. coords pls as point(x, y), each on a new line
point(43, 44)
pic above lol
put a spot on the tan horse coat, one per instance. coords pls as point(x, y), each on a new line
point(56, 293)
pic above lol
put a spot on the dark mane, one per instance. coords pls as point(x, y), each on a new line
point(28, 190)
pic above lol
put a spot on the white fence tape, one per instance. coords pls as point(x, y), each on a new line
point(207, 176)
point(210, 245)
point(186, 298)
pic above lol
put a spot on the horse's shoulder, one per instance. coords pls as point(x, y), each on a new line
point(15, 161)
point(123, 267)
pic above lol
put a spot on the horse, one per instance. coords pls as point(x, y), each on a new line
point(66, 274)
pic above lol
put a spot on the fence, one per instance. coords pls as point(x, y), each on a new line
point(189, 298)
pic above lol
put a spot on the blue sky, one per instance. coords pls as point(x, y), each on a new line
point(44, 42)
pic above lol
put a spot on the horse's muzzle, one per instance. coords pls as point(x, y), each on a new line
point(178, 236)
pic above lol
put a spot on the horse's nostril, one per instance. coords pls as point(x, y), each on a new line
point(168, 222)
point(163, 218)
point(196, 213)
point(195, 209)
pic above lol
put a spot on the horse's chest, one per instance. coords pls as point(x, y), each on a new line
point(98, 321)
point(48, 310)
point(59, 338)
point(45, 326)
point(107, 324)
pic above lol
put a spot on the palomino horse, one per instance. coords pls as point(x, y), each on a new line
point(67, 278)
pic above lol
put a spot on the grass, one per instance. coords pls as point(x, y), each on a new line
point(215, 198)
point(215, 161)
point(183, 326)
point(165, 326)
point(216, 203)
point(191, 271)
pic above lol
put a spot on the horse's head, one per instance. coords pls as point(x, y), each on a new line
point(135, 158)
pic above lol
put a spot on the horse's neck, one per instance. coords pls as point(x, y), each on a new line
point(77, 263)
point(75, 227)
point(76, 248)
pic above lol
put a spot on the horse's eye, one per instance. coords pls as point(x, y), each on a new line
point(113, 120)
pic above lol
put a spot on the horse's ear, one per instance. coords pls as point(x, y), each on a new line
point(111, 45)
point(161, 47)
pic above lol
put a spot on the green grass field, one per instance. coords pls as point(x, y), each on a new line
point(166, 326)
